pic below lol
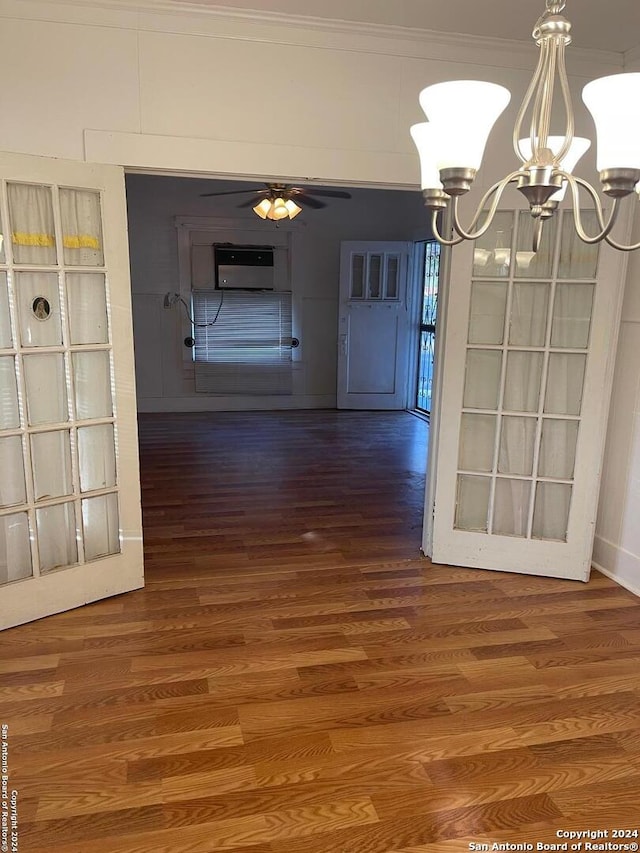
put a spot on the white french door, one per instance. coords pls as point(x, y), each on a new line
point(525, 374)
point(373, 325)
point(70, 522)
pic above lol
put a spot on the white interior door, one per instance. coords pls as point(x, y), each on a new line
point(373, 329)
point(70, 521)
point(527, 360)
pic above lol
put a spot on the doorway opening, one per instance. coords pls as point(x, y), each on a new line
point(430, 276)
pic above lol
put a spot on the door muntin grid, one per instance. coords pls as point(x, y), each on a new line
point(55, 333)
point(527, 349)
point(375, 277)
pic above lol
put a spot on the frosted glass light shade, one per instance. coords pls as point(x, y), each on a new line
point(292, 208)
point(262, 209)
point(464, 112)
point(278, 210)
point(523, 259)
point(423, 135)
point(578, 147)
point(613, 103)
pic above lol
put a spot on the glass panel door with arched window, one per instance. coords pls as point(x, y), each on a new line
point(70, 528)
point(528, 355)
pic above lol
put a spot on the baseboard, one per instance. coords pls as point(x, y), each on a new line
point(619, 565)
point(209, 403)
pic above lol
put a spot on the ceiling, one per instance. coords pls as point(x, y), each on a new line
point(614, 25)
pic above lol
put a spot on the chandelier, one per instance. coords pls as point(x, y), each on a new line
point(462, 113)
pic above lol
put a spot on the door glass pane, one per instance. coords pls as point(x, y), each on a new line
point(511, 507)
point(564, 383)
point(46, 388)
point(87, 307)
point(81, 227)
point(578, 259)
point(425, 370)
point(12, 485)
point(375, 276)
point(97, 453)
point(39, 306)
point(517, 442)
point(482, 379)
point(477, 440)
point(572, 316)
point(357, 276)
point(57, 536)
point(9, 412)
point(15, 547)
point(558, 449)
point(51, 460)
point(391, 284)
point(101, 526)
point(472, 508)
point(486, 316)
point(3, 257)
point(32, 229)
point(5, 317)
point(92, 376)
point(551, 512)
point(540, 264)
point(492, 253)
point(529, 307)
point(522, 387)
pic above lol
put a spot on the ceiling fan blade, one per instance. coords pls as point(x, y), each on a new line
point(251, 202)
point(234, 192)
point(307, 191)
point(308, 201)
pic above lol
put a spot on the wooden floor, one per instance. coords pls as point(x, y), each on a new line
point(296, 679)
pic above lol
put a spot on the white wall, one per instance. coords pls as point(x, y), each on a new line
point(617, 542)
point(165, 380)
point(215, 92)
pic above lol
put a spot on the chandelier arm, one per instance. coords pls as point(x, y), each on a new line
point(568, 106)
point(620, 246)
point(497, 191)
point(524, 106)
point(436, 233)
point(541, 116)
point(575, 183)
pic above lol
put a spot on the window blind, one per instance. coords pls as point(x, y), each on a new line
point(248, 349)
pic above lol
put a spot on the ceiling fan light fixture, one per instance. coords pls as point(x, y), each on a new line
point(278, 209)
point(262, 209)
point(292, 208)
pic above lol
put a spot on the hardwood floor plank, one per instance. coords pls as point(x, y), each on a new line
point(296, 678)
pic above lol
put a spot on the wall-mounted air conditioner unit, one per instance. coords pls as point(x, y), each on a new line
point(244, 267)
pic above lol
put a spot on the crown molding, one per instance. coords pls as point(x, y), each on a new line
point(192, 18)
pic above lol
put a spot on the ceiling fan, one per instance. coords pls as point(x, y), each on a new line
point(279, 201)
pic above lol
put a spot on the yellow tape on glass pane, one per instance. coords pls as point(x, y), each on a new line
point(75, 241)
point(23, 238)
point(80, 241)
